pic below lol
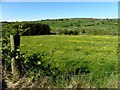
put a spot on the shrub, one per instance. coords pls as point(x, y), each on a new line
point(18, 28)
point(69, 32)
point(83, 31)
point(26, 28)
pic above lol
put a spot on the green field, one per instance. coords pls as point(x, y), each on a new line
point(71, 53)
point(87, 26)
point(94, 58)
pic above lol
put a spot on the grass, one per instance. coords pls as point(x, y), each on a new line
point(93, 58)
point(87, 60)
point(89, 25)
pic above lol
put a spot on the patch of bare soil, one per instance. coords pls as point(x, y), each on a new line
point(21, 83)
point(24, 82)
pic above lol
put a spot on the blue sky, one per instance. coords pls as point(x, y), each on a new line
point(18, 11)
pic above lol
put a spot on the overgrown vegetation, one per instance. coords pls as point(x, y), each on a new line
point(84, 56)
point(19, 28)
point(25, 28)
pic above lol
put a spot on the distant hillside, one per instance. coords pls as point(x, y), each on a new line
point(79, 26)
point(83, 26)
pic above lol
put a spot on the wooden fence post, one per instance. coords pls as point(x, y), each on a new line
point(15, 43)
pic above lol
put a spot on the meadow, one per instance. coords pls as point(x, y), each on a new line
point(87, 26)
point(88, 60)
point(68, 53)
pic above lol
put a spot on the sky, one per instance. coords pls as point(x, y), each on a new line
point(59, 0)
point(27, 11)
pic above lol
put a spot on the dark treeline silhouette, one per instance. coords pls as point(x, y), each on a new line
point(25, 28)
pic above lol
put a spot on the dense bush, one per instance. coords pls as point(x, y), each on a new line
point(25, 28)
point(36, 67)
point(19, 28)
point(35, 29)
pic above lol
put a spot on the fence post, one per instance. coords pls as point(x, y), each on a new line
point(15, 43)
